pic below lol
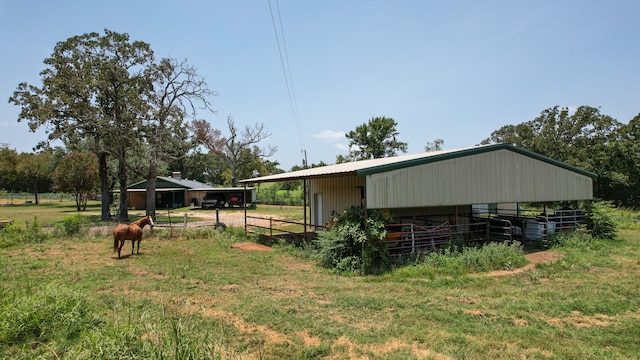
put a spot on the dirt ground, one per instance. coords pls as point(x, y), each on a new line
point(229, 218)
point(538, 257)
point(249, 246)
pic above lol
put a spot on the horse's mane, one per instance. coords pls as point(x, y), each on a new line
point(139, 221)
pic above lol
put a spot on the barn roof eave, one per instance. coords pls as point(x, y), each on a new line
point(468, 152)
point(294, 176)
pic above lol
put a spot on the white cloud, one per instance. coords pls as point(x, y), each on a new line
point(341, 146)
point(330, 135)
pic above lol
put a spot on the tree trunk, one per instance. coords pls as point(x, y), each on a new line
point(151, 189)
point(78, 201)
point(123, 213)
point(105, 194)
point(35, 193)
point(234, 181)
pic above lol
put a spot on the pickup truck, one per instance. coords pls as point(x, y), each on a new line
point(212, 201)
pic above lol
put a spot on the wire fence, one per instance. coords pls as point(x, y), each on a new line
point(280, 202)
point(23, 198)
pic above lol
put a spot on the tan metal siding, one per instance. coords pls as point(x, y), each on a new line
point(338, 193)
point(493, 177)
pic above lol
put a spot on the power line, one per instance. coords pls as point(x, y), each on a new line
point(286, 71)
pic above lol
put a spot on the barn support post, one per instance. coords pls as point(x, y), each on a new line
point(244, 200)
point(304, 208)
point(363, 194)
point(455, 219)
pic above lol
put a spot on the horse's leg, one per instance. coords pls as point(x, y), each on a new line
point(138, 251)
point(133, 245)
point(120, 248)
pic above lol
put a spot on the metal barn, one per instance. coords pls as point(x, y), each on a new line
point(441, 190)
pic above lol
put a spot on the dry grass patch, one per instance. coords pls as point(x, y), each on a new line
point(581, 321)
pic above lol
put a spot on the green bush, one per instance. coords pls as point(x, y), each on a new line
point(600, 219)
point(353, 245)
point(15, 234)
point(580, 239)
point(72, 225)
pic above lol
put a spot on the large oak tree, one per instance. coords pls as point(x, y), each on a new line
point(90, 95)
point(107, 94)
point(177, 91)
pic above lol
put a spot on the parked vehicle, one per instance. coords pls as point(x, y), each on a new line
point(236, 200)
point(213, 201)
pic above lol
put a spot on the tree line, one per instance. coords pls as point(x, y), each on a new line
point(107, 95)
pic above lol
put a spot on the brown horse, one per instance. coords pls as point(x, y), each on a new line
point(133, 232)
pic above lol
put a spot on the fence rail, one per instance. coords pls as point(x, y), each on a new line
point(406, 237)
point(274, 228)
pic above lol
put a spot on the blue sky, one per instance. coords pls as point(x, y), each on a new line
point(454, 70)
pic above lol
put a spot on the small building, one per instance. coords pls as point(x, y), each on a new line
point(174, 192)
point(441, 185)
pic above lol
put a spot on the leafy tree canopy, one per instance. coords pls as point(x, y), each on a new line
point(588, 139)
point(78, 174)
point(374, 139)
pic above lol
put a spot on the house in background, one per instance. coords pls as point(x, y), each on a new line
point(440, 186)
point(175, 192)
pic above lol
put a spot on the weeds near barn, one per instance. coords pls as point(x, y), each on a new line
point(462, 261)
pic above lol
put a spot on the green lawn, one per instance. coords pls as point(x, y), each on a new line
point(46, 213)
point(195, 296)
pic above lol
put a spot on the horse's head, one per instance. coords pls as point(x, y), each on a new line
point(150, 220)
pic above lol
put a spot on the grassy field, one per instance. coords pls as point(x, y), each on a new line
point(50, 212)
point(200, 295)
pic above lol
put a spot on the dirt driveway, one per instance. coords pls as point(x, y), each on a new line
point(208, 218)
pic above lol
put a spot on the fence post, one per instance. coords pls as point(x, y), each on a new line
point(413, 240)
point(270, 226)
point(185, 220)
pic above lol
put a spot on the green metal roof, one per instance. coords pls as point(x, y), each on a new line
point(372, 166)
point(467, 152)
